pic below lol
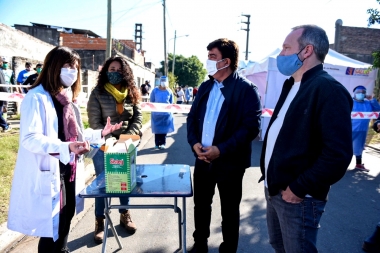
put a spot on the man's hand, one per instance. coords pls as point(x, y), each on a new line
point(369, 97)
point(110, 128)
point(290, 197)
point(198, 149)
point(210, 153)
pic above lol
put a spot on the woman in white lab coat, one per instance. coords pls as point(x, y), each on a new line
point(42, 199)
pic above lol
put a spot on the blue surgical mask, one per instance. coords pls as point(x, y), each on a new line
point(289, 64)
point(359, 96)
point(114, 77)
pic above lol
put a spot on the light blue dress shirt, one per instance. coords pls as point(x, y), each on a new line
point(214, 104)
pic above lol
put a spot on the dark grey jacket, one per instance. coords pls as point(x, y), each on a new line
point(102, 104)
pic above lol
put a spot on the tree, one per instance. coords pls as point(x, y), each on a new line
point(374, 18)
point(189, 71)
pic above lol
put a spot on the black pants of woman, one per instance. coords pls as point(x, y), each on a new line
point(46, 244)
point(160, 139)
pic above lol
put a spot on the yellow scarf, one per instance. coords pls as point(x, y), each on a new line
point(119, 96)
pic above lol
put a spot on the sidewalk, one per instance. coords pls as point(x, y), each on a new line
point(9, 239)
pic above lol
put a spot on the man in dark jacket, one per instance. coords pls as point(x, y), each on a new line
point(372, 243)
point(222, 122)
point(307, 146)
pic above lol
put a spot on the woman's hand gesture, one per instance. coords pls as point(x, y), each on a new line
point(110, 128)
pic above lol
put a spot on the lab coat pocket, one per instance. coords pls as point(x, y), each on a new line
point(43, 185)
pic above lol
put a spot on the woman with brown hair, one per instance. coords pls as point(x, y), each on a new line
point(52, 141)
point(117, 97)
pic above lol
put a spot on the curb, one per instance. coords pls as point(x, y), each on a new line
point(373, 147)
point(9, 239)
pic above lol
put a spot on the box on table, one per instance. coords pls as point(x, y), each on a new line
point(120, 164)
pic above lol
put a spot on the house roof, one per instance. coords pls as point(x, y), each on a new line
point(68, 29)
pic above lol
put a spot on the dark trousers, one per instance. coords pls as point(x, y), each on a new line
point(3, 122)
point(160, 139)
point(46, 244)
point(206, 177)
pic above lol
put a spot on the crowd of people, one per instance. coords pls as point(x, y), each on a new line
point(299, 162)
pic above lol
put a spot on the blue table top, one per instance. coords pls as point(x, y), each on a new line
point(153, 180)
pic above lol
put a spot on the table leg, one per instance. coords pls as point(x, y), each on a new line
point(178, 210)
point(184, 225)
point(108, 220)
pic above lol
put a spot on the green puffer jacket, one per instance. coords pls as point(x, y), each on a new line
point(102, 104)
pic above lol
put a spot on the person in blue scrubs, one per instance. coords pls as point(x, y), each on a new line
point(362, 103)
point(162, 122)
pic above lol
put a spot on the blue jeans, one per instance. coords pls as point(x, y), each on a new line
point(98, 161)
point(293, 227)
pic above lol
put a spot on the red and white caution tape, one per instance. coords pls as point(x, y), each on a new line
point(182, 108)
point(160, 107)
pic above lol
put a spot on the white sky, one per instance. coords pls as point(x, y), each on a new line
point(203, 20)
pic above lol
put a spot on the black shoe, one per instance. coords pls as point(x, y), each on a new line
point(372, 243)
point(223, 248)
point(199, 248)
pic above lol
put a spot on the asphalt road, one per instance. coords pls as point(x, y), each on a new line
point(351, 213)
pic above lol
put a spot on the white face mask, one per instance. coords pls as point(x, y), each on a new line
point(164, 84)
point(212, 68)
point(68, 76)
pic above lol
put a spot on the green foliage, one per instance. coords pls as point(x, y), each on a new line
point(173, 80)
point(189, 71)
point(9, 147)
point(374, 16)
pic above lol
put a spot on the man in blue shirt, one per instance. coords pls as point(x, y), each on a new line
point(23, 75)
point(222, 122)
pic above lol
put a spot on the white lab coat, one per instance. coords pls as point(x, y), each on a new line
point(35, 195)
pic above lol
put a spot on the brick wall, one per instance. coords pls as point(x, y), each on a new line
point(80, 41)
point(356, 42)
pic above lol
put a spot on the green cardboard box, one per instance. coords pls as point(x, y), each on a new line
point(120, 165)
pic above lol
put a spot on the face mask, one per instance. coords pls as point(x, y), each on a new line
point(39, 70)
point(289, 64)
point(68, 76)
point(212, 68)
point(359, 96)
point(114, 77)
point(164, 84)
point(5, 66)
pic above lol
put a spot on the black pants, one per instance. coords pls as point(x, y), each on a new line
point(160, 139)
point(206, 177)
point(46, 244)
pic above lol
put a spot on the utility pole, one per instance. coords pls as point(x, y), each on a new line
point(109, 37)
point(247, 29)
point(175, 36)
point(166, 58)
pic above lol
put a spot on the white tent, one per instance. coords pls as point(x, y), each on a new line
point(269, 80)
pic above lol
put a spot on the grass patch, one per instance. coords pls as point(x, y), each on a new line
point(9, 147)
point(146, 117)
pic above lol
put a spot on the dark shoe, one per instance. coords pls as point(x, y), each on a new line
point(199, 248)
point(99, 230)
point(126, 221)
point(223, 248)
point(372, 243)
